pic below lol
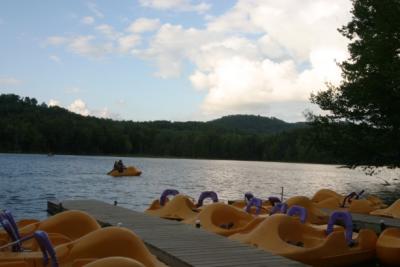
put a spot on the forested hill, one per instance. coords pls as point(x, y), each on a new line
point(26, 126)
point(255, 124)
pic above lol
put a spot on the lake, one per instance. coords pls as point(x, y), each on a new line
point(28, 181)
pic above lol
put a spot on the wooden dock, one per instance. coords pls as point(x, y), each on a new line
point(175, 243)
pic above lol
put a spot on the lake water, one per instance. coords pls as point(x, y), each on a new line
point(28, 181)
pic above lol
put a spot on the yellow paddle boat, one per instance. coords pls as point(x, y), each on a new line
point(63, 227)
point(128, 171)
point(324, 194)
point(164, 198)
point(206, 195)
point(255, 207)
point(326, 198)
point(289, 237)
point(393, 211)
point(364, 206)
point(223, 219)
point(180, 207)
point(314, 214)
point(102, 243)
point(388, 247)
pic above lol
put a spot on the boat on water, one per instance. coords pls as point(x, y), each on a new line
point(128, 171)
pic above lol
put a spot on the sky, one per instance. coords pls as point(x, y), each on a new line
point(175, 60)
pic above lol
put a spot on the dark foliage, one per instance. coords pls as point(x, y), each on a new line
point(364, 120)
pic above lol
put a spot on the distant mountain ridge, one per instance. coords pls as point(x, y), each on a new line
point(255, 124)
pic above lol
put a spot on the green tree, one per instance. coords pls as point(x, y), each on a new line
point(363, 123)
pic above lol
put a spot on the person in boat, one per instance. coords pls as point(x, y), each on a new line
point(115, 165)
point(119, 166)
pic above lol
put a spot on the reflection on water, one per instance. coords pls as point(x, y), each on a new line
point(28, 181)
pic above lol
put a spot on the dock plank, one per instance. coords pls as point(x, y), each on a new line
point(175, 243)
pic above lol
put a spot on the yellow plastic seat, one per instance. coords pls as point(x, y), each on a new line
point(329, 203)
point(224, 219)
point(241, 204)
point(155, 205)
point(377, 201)
point(363, 206)
point(324, 194)
point(392, 211)
point(25, 222)
point(181, 207)
point(102, 243)
point(62, 227)
point(288, 237)
point(115, 262)
point(128, 171)
point(314, 214)
point(72, 224)
point(326, 198)
point(388, 247)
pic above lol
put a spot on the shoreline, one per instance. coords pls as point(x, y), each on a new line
point(168, 157)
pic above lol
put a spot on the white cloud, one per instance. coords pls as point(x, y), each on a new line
point(257, 54)
point(171, 45)
point(176, 5)
point(79, 107)
point(53, 103)
point(9, 81)
point(56, 40)
point(105, 113)
point(102, 113)
point(55, 58)
point(88, 20)
point(83, 45)
point(297, 27)
point(108, 31)
point(93, 7)
point(128, 42)
point(144, 25)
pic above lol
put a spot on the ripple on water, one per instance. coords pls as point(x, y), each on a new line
point(26, 189)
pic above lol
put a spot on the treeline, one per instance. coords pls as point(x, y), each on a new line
point(29, 127)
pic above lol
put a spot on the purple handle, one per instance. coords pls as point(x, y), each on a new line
point(248, 196)
point(298, 210)
point(16, 247)
point(41, 238)
point(47, 248)
point(344, 216)
point(279, 208)
point(8, 215)
point(257, 202)
point(167, 193)
point(207, 194)
point(348, 197)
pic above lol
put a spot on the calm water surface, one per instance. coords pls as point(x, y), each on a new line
point(28, 181)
